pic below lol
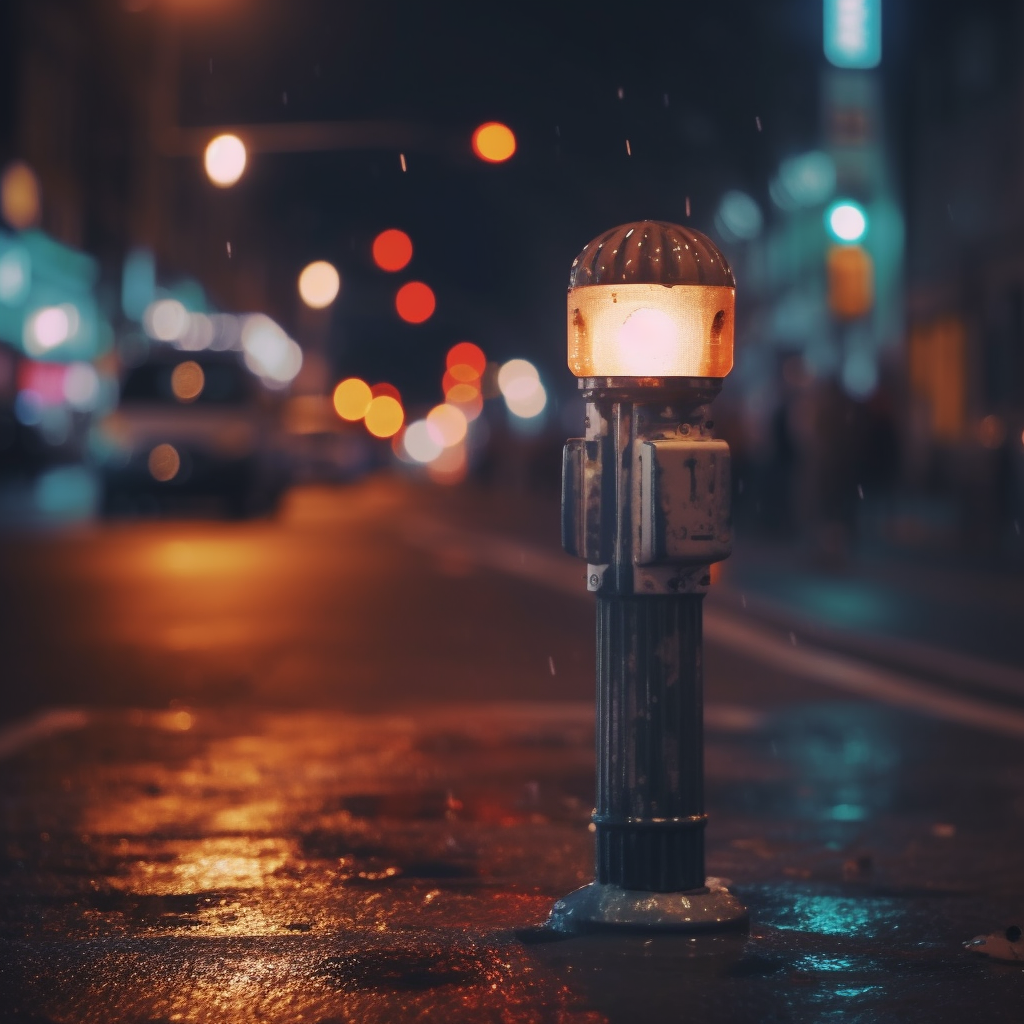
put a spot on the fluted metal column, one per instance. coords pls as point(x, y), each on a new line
point(650, 801)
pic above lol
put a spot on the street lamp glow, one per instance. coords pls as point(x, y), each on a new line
point(621, 325)
point(225, 160)
point(319, 284)
point(494, 142)
point(847, 221)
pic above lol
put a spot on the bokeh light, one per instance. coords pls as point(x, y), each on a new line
point(49, 327)
point(392, 250)
point(187, 381)
point(415, 302)
point(466, 386)
point(494, 142)
point(847, 221)
point(82, 387)
point(466, 361)
point(385, 416)
point(422, 442)
point(352, 398)
point(19, 196)
point(165, 320)
point(521, 388)
point(225, 160)
point(319, 284)
point(739, 216)
point(449, 423)
point(269, 352)
point(164, 462)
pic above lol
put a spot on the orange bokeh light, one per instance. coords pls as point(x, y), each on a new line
point(460, 392)
point(352, 398)
point(494, 142)
point(385, 416)
point(392, 250)
point(465, 353)
point(415, 302)
point(451, 380)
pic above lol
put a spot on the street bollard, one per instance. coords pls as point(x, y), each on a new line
point(646, 501)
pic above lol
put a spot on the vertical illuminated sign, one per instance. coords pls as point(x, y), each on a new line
point(853, 33)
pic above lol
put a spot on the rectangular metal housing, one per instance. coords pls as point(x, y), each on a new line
point(685, 506)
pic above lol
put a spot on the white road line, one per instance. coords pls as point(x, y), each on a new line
point(840, 671)
point(19, 735)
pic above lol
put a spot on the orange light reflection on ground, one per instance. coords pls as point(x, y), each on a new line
point(415, 302)
point(392, 250)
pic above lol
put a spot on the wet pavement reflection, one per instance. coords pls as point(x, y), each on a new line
point(331, 867)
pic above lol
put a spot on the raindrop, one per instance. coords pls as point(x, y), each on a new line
point(687, 206)
point(629, 152)
point(622, 92)
point(401, 160)
point(792, 638)
point(1016, 526)
point(229, 250)
point(757, 121)
point(551, 664)
point(664, 99)
point(743, 600)
point(284, 98)
point(860, 492)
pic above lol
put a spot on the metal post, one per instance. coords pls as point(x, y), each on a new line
point(646, 502)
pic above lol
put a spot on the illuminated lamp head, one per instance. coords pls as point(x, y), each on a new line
point(651, 299)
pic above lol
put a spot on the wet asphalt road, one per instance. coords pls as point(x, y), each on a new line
point(337, 767)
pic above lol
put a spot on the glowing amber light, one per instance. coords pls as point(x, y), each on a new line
point(466, 354)
point(164, 462)
point(392, 250)
point(494, 142)
point(415, 302)
point(385, 416)
point(187, 381)
point(225, 160)
point(319, 284)
point(386, 389)
point(352, 398)
point(19, 196)
point(650, 330)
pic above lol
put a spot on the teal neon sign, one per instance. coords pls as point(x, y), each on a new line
point(853, 33)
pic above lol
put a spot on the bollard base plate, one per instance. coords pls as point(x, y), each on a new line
point(598, 907)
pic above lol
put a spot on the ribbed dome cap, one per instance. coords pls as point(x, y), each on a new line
point(651, 252)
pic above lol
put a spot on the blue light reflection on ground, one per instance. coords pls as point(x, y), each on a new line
point(855, 916)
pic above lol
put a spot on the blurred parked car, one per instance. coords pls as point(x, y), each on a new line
point(321, 447)
point(190, 425)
